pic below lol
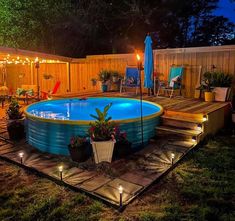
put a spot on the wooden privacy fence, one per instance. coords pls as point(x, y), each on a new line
point(75, 76)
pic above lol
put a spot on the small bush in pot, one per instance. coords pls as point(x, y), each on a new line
point(103, 129)
point(207, 86)
point(221, 79)
point(15, 123)
point(102, 133)
point(104, 76)
point(79, 148)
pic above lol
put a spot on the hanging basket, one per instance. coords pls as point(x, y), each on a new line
point(103, 150)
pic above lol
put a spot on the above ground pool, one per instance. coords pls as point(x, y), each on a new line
point(51, 124)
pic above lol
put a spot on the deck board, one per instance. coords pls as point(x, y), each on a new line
point(180, 104)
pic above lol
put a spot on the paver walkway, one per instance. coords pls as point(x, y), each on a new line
point(134, 173)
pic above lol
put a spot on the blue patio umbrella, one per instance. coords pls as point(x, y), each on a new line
point(148, 63)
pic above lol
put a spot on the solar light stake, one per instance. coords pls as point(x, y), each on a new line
point(21, 154)
point(120, 189)
point(172, 158)
point(61, 172)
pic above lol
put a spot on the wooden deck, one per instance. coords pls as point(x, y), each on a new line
point(180, 104)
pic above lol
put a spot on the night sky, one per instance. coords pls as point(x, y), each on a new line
point(227, 9)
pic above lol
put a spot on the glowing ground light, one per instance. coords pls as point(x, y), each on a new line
point(120, 189)
point(194, 140)
point(61, 172)
point(21, 155)
point(172, 158)
point(205, 118)
point(199, 127)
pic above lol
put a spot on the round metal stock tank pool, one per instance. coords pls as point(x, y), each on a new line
point(51, 124)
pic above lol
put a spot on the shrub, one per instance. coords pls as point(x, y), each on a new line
point(102, 129)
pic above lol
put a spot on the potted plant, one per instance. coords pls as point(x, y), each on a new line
point(222, 85)
point(15, 123)
point(207, 86)
point(116, 80)
point(104, 77)
point(122, 147)
point(79, 148)
point(93, 82)
point(102, 133)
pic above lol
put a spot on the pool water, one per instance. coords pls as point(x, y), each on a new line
point(79, 109)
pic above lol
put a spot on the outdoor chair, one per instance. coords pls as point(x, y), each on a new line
point(47, 95)
point(131, 79)
point(174, 82)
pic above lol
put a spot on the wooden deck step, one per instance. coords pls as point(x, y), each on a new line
point(185, 119)
point(188, 134)
point(181, 122)
point(196, 116)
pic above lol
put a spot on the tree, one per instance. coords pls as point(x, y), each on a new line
point(81, 27)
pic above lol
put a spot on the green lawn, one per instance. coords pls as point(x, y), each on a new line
point(202, 187)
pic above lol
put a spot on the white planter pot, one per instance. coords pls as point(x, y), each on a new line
point(221, 93)
point(103, 150)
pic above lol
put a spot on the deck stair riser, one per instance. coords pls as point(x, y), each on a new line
point(186, 134)
point(171, 138)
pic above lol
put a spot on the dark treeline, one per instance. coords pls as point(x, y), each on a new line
point(80, 27)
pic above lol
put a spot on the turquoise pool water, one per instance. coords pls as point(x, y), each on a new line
point(77, 109)
point(50, 124)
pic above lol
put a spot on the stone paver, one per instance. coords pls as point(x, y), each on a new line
point(95, 183)
point(80, 177)
point(2, 142)
point(136, 178)
point(128, 187)
point(68, 174)
point(4, 135)
point(110, 193)
point(7, 149)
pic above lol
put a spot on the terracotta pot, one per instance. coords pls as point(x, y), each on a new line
point(209, 96)
point(103, 150)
